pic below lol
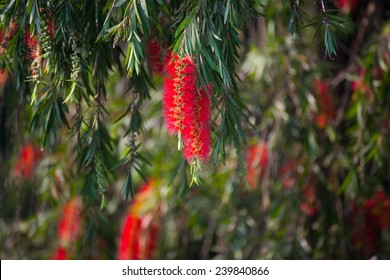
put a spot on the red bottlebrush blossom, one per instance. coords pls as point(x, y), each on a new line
point(155, 56)
point(29, 157)
point(70, 223)
point(61, 254)
point(308, 206)
point(348, 6)
point(68, 228)
point(129, 239)
point(35, 53)
point(31, 42)
point(326, 111)
point(151, 242)
point(139, 234)
point(196, 132)
point(256, 163)
point(51, 27)
point(187, 111)
point(180, 81)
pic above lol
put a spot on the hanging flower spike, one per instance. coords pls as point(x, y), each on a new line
point(257, 162)
point(69, 227)
point(129, 244)
point(151, 241)
point(326, 111)
point(29, 157)
point(179, 83)
point(70, 223)
point(30, 41)
point(35, 54)
point(196, 133)
point(139, 234)
point(348, 6)
point(61, 254)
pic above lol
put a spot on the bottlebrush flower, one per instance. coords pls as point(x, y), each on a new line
point(155, 56)
point(196, 132)
point(326, 111)
point(29, 157)
point(129, 239)
point(30, 41)
point(180, 82)
point(70, 223)
point(140, 230)
point(35, 53)
point(256, 163)
point(348, 6)
point(61, 254)
point(68, 228)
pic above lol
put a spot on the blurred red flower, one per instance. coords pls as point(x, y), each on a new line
point(348, 6)
point(256, 163)
point(29, 157)
point(70, 222)
point(326, 110)
point(139, 234)
point(61, 254)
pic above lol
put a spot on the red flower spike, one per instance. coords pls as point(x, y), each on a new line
point(256, 163)
point(139, 233)
point(196, 132)
point(29, 157)
point(348, 6)
point(61, 254)
point(179, 83)
point(326, 110)
point(31, 42)
point(152, 242)
point(70, 223)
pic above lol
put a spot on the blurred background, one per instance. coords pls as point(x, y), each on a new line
point(310, 180)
